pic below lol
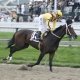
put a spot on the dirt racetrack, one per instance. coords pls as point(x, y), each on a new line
point(12, 72)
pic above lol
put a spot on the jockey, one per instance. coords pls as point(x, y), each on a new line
point(44, 22)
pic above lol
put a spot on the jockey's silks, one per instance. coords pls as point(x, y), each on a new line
point(47, 17)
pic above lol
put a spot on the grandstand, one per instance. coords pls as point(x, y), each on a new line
point(67, 6)
point(12, 2)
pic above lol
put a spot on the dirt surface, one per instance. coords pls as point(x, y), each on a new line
point(13, 72)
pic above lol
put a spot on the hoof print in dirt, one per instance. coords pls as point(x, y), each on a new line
point(24, 67)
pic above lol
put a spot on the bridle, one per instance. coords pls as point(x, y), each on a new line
point(67, 31)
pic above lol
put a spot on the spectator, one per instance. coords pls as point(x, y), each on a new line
point(76, 4)
point(22, 9)
point(18, 9)
point(43, 7)
point(49, 7)
point(38, 10)
point(31, 11)
point(14, 15)
point(77, 18)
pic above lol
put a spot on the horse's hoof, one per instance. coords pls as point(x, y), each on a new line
point(24, 67)
point(51, 70)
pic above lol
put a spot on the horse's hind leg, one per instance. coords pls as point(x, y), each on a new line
point(38, 61)
point(14, 49)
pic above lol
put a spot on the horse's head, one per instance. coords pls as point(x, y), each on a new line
point(69, 30)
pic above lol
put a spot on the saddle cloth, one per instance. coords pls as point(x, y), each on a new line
point(33, 37)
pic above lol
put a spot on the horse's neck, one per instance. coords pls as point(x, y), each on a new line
point(61, 32)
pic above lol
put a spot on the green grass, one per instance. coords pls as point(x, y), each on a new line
point(65, 56)
point(6, 35)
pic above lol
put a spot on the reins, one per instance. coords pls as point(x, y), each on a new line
point(55, 35)
point(67, 30)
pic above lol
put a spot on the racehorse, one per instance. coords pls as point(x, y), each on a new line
point(49, 44)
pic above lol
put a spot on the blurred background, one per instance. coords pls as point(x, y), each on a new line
point(27, 10)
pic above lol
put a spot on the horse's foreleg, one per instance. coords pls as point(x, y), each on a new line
point(38, 61)
point(51, 55)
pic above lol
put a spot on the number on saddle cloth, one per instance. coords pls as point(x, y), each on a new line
point(33, 35)
point(36, 35)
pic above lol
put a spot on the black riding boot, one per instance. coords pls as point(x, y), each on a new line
point(38, 35)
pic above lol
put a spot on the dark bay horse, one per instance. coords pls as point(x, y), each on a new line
point(48, 45)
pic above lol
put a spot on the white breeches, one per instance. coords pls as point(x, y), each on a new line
point(42, 24)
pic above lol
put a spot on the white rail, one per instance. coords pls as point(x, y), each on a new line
point(62, 43)
point(11, 26)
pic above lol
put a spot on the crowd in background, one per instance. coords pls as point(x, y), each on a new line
point(28, 11)
point(31, 10)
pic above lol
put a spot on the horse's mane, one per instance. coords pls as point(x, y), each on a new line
point(58, 28)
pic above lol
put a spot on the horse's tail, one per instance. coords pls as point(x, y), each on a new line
point(11, 42)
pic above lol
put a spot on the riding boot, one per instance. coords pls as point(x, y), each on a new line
point(38, 35)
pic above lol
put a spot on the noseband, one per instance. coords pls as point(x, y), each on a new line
point(67, 30)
